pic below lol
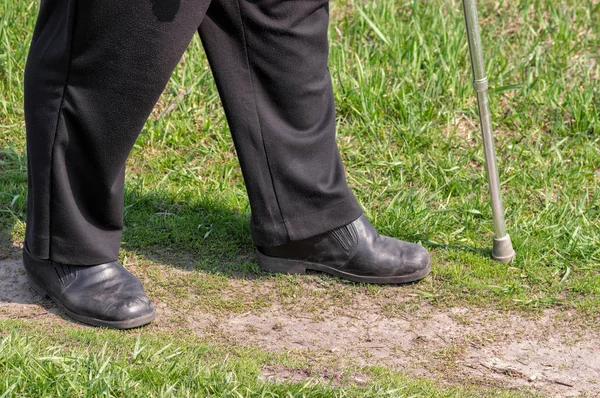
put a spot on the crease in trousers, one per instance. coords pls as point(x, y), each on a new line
point(97, 67)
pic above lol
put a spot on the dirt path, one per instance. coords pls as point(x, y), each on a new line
point(551, 354)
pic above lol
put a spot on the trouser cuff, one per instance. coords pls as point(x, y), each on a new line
point(333, 216)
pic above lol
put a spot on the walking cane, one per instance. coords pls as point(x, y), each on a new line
point(503, 250)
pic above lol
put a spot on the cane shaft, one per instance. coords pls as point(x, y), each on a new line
point(502, 247)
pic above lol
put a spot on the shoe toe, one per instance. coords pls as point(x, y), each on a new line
point(420, 258)
point(406, 259)
point(129, 308)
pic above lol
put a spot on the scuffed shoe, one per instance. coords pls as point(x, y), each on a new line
point(104, 295)
point(355, 252)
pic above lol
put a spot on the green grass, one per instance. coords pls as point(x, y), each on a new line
point(110, 363)
point(408, 133)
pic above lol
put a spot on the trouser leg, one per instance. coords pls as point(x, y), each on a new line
point(94, 72)
point(269, 59)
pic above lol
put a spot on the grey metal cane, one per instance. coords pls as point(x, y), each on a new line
point(503, 249)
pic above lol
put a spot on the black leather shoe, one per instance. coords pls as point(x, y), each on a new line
point(101, 295)
point(355, 252)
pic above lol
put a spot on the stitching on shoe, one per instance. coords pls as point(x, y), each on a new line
point(60, 279)
point(64, 276)
point(339, 239)
point(354, 233)
point(346, 236)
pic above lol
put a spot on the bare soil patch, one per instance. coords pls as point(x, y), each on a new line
point(552, 353)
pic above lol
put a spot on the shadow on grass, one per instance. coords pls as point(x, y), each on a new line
point(483, 252)
point(194, 233)
point(6, 247)
point(13, 191)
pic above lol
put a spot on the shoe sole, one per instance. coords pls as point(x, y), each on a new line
point(286, 266)
point(127, 324)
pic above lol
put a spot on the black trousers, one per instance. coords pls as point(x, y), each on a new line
point(97, 67)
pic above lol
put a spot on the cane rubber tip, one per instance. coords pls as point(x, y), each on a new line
point(503, 250)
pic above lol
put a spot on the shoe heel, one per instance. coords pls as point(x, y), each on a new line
point(280, 265)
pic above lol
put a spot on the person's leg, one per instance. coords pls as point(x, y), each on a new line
point(269, 59)
point(94, 72)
